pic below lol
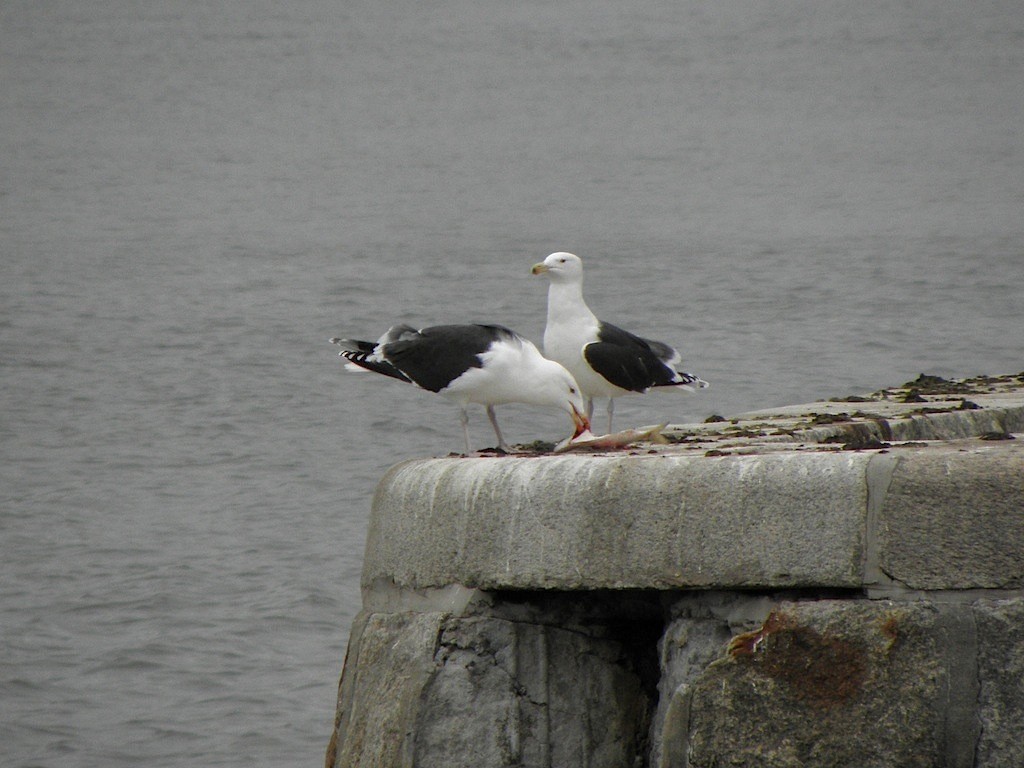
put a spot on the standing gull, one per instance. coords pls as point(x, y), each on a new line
point(485, 364)
point(605, 360)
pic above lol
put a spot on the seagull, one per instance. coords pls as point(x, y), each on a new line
point(606, 360)
point(486, 364)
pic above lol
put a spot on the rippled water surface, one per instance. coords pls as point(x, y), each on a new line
point(810, 198)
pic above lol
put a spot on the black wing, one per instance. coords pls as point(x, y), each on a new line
point(664, 352)
point(626, 360)
point(438, 355)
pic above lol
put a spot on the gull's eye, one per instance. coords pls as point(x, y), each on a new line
point(572, 390)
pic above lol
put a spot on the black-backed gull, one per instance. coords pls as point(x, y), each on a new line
point(486, 364)
point(605, 360)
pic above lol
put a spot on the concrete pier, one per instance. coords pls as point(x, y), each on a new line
point(831, 584)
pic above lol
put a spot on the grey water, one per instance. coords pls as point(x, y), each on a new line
point(810, 198)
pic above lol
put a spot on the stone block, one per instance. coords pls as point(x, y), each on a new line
point(841, 683)
point(687, 648)
point(1001, 675)
point(435, 690)
point(513, 694)
point(955, 519)
point(389, 661)
point(598, 522)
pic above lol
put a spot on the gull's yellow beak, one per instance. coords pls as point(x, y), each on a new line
point(539, 269)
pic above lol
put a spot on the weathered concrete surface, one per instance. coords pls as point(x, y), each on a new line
point(928, 410)
point(514, 685)
point(955, 519)
point(948, 517)
point(389, 661)
point(818, 585)
point(507, 693)
point(647, 521)
point(1001, 672)
point(731, 679)
point(696, 634)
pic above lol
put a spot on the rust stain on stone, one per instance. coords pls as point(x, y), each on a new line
point(890, 628)
point(750, 643)
point(820, 670)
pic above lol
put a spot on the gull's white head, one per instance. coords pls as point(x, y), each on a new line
point(560, 267)
point(558, 388)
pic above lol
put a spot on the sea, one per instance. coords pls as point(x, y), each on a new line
point(810, 198)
